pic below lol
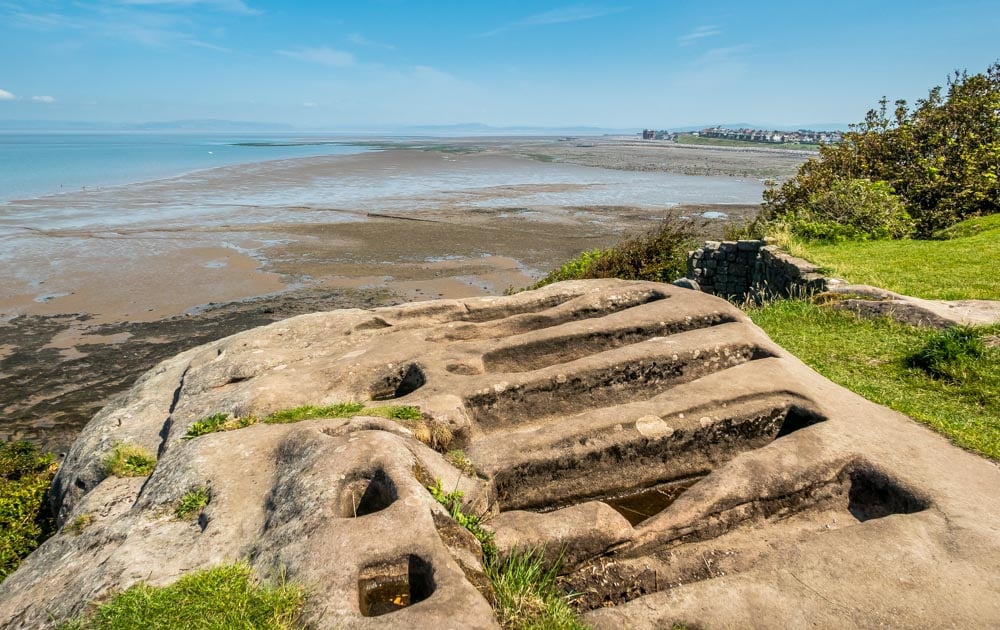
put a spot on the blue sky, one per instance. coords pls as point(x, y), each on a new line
point(391, 62)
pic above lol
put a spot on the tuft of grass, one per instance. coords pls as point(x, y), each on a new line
point(217, 422)
point(874, 358)
point(526, 594)
point(25, 521)
point(960, 268)
point(953, 354)
point(78, 524)
point(128, 460)
point(227, 596)
point(458, 459)
point(193, 502)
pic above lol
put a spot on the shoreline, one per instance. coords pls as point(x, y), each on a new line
point(147, 292)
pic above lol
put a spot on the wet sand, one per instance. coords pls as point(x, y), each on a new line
point(80, 325)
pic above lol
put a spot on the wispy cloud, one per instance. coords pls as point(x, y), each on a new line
point(699, 33)
point(43, 99)
point(728, 54)
point(322, 55)
point(6, 96)
point(310, 104)
point(360, 40)
point(145, 22)
point(230, 6)
point(558, 16)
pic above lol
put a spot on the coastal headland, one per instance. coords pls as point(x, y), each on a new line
point(121, 278)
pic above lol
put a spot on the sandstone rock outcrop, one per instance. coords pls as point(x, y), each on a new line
point(688, 468)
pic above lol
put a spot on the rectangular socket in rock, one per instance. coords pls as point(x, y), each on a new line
point(388, 587)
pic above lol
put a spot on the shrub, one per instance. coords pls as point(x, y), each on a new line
point(25, 521)
point(659, 255)
point(129, 460)
point(852, 210)
point(940, 156)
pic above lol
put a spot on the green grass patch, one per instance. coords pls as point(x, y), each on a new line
point(193, 502)
point(961, 268)
point(970, 227)
point(310, 412)
point(435, 434)
point(128, 460)
point(225, 422)
point(939, 378)
point(25, 477)
point(526, 594)
point(225, 597)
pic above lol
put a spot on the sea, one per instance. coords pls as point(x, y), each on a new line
point(40, 164)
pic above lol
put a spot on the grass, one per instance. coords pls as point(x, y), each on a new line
point(960, 268)
point(128, 460)
point(78, 524)
point(525, 592)
point(193, 502)
point(458, 459)
point(940, 378)
point(527, 596)
point(431, 432)
point(224, 597)
point(25, 476)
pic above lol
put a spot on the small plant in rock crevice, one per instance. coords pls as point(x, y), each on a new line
point(193, 502)
point(78, 524)
point(525, 591)
point(128, 460)
point(452, 501)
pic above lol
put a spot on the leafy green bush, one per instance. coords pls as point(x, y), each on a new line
point(129, 460)
point(659, 255)
point(940, 157)
point(574, 269)
point(852, 210)
point(224, 597)
point(25, 476)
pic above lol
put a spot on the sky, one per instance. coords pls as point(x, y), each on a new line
point(337, 64)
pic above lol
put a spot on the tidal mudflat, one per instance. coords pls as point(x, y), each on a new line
point(102, 284)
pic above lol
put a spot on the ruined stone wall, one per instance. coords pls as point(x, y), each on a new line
point(752, 269)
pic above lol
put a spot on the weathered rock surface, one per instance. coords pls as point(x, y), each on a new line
point(693, 471)
point(869, 301)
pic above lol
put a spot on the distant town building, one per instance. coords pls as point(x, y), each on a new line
point(648, 134)
point(802, 136)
